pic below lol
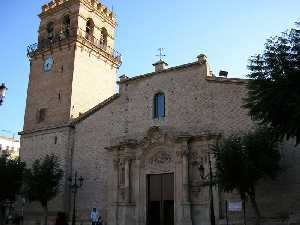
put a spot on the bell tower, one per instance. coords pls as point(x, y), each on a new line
point(73, 66)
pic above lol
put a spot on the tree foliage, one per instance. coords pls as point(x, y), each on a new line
point(42, 181)
point(274, 89)
point(241, 161)
point(11, 174)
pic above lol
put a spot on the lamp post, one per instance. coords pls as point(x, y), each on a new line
point(74, 186)
point(3, 90)
point(22, 210)
point(211, 196)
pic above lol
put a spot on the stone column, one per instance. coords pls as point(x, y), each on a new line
point(185, 177)
point(142, 193)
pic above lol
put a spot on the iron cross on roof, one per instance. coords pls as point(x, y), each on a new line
point(161, 55)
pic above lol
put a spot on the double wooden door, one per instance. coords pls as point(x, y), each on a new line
point(160, 199)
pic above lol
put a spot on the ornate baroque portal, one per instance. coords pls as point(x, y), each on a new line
point(136, 163)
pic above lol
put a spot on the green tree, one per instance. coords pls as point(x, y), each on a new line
point(42, 181)
point(11, 174)
point(242, 161)
point(274, 88)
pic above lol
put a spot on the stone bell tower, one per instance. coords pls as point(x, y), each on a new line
point(73, 66)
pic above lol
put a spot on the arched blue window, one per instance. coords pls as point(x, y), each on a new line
point(159, 106)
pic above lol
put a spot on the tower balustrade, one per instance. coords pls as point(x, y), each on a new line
point(79, 35)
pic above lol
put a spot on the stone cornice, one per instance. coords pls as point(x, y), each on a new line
point(62, 46)
point(47, 128)
point(179, 138)
point(227, 80)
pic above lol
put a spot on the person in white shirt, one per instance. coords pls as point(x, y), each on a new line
point(94, 216)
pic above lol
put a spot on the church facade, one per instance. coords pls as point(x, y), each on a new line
point(139, 150)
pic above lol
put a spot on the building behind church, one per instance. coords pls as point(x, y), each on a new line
point(9, 146)
point(139, 149)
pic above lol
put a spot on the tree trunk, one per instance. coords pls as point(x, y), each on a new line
point(45, 214)
point(255, 206)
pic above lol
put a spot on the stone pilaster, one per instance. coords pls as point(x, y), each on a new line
point(127, 181)
point(115, 193)
point(185, 206)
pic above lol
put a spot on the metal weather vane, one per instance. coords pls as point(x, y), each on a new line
point(161, 54)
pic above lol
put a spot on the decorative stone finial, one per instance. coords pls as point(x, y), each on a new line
point(202, 58)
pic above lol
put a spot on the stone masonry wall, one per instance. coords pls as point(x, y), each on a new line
point(44, 88)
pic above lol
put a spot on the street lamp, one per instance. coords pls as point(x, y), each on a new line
point(3, 90)
point(211, 196)
point(22, 210)
point(74, 186)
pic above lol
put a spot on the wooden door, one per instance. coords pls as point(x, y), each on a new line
point(160, 199)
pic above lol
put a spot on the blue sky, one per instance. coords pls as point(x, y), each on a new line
point(228, 31)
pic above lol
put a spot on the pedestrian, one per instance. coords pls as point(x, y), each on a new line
point(94, 216)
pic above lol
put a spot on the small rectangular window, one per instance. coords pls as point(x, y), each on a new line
point(41, 115)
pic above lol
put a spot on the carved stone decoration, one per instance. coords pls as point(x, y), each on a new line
point(160, 158)
point(155, 137)
point(179, 157)
point(160, 162)
point(196, 157)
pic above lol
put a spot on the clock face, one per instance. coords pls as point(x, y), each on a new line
point(48, 64)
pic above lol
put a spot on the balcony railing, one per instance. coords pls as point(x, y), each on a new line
point(80, 35)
